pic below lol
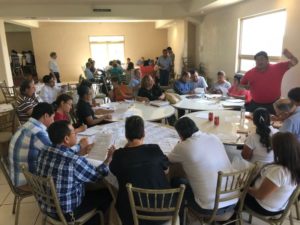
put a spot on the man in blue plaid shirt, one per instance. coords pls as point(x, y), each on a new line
point(71, 172)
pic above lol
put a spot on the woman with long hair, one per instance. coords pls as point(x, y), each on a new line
point(257, 146)
point(278, 180)
point(64, 104)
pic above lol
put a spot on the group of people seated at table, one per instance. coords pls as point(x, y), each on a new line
point(50, 149)
point(190, 82)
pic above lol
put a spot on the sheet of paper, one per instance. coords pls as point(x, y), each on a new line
point(88, 132)
point(202, 115)
point(94, 162)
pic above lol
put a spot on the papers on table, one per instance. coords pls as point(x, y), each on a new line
point(159, 103)
point(213, 95)
point(94, 162)
point(88, 132)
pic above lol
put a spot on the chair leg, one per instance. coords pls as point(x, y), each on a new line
point(44, 219)
point(185, 211)
point(297, 209)
point(291, 219)
point(14, 205)
point(250, 218)
point(18, 211)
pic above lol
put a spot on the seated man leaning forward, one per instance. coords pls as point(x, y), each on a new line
point(183, 86)
point(85, 112)
point(143, 165)
point(222, 85)
point(202, 156)
point(31, 139)
point(198, 81)
point(292, 123)
point(26, 100)
point(70, 173)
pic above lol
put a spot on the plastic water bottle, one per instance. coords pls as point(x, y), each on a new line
point(243, 111)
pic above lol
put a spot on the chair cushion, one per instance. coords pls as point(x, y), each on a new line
point(5, 137)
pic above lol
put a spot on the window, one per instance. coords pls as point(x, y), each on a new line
point(261, 33)
point(106, 48)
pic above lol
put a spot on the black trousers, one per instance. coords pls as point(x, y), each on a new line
point(97, 199)
point(251, 203)
point(250, 107)
point(57, 75)
point(164, 76)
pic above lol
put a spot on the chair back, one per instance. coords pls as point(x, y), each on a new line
point(43, 189)
point(154, 204)
point(73, 117)
point(232, 186)
point(7, 121)
point(9, 93)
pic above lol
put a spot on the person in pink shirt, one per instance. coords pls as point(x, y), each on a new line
point(237, 91)
point(264, 80)
point(64, 105)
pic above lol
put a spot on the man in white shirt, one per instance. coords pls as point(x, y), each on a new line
point(202, 155)
point(53, 66)
point(49, 91)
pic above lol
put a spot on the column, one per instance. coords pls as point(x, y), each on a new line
point(5, 71)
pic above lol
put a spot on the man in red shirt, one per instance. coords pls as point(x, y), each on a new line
point(265, 79)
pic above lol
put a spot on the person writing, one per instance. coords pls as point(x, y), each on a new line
point(257, 146)
point(149, 91)
point(142, 165)
point(237, 91)
point(277, 181)
point(265, 75)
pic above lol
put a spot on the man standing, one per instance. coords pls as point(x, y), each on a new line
point(265, 79)
point(53, 66)
point(164, 63)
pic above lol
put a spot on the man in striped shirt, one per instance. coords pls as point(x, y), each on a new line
point(70, 173)
point(28, 141)
point(26, 101)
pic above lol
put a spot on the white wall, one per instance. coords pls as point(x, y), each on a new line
point(177, 39)
point(217, 36)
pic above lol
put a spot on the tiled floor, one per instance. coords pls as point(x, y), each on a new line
point(29, 214)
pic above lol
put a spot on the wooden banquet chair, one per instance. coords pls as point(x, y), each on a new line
point(164, 206)
point(44, 190)
point(230, 186)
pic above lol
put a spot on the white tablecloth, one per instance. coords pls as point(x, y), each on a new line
point(114, 133)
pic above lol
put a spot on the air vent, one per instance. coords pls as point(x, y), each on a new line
point(101, 10)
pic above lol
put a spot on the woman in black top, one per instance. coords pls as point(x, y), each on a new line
point(85, 113)
point(142, 165)
point(149, 91)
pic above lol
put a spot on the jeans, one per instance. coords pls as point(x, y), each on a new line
point(164, 77)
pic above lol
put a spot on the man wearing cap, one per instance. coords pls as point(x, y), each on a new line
point(265, 79)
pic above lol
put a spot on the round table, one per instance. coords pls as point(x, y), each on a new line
point(207, 102)
point(106, 135)
point(229, 130)
point(122, 110)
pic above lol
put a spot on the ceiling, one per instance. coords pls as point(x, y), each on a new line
point(108, 10)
